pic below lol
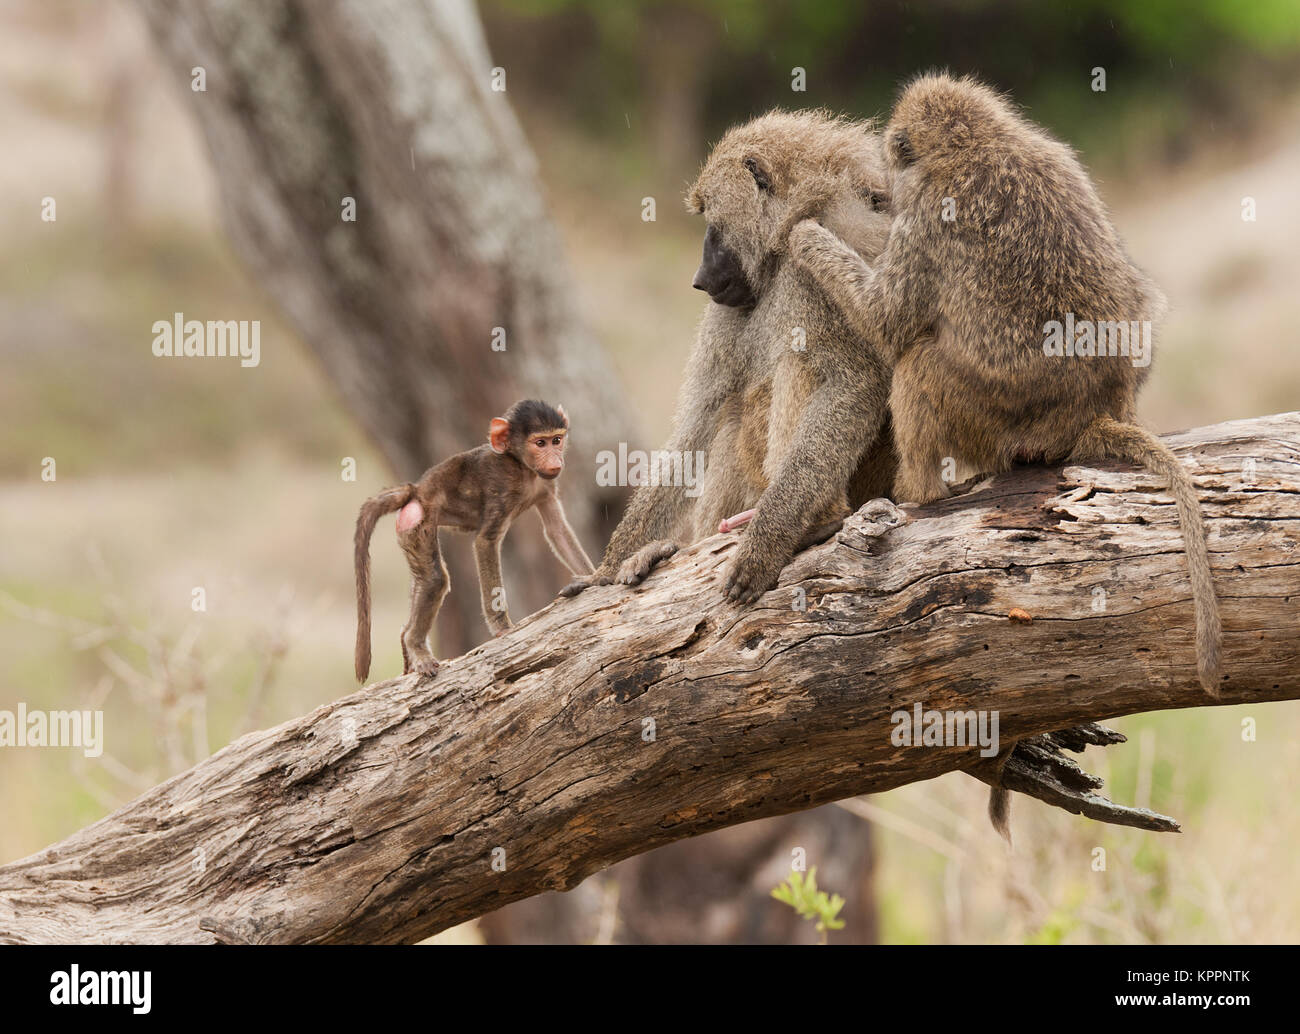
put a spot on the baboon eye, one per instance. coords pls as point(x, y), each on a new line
point(757, 171)
point(556, 441)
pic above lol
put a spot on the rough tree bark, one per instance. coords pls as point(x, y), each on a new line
point(378, 817)
point(390, 102)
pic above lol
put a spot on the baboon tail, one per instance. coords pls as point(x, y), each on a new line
point(1000, 811)
point(1108, 437)
point(371, 510)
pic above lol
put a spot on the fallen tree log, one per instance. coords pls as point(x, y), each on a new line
point(610, 724)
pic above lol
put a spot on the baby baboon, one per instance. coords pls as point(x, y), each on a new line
point(481, 491)
point(779, 393)
point(999, 242)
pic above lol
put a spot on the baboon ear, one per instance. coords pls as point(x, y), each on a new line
point(499, 434)
point(760, 175)
point(563, 415)
point(900, 147)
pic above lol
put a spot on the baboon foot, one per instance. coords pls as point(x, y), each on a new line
point(636, 568)
point(597, 577)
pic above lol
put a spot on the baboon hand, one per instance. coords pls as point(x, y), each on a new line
point(808, 239)
point(600, 576)
point(635, 568)
point(426, 667)
point(752, 572)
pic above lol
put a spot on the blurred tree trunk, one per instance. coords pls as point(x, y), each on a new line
point(391, 103)
point(714, 889)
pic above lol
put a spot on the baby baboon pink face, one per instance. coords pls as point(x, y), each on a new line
point(544, 451)
point(533, 433)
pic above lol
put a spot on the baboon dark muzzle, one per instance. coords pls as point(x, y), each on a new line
point(721, 274)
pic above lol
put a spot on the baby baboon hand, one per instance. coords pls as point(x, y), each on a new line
point(752, 572)
point(600, 576)
point(636, 567)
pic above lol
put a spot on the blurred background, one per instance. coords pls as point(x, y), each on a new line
point(198, 473)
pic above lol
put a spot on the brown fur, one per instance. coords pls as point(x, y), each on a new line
point(1000, 812)
point(784, 431)
point(1031, 242)
point(481, 491)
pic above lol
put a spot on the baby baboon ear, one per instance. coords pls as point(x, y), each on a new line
point(877, 199)
point(760, 175)
point(499, 434)
point(563, 414)
point(899, 145)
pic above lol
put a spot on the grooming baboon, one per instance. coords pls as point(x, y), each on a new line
point(781, 396)
point(999, 240)
point(480, 491)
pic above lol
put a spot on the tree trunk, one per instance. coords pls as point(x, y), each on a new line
point(611, 724)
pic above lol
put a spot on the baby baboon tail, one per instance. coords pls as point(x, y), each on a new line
point(371, 510)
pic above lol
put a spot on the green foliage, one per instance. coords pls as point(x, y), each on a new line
point(801, 894)
point(1170, 64)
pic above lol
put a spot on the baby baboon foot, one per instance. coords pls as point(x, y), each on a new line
point(426, 667)
point(636, 568)
point(751, 574)
point(584, 581)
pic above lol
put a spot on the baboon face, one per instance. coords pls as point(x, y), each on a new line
point(763, 177)
point(535, 434)
point(543, 451)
